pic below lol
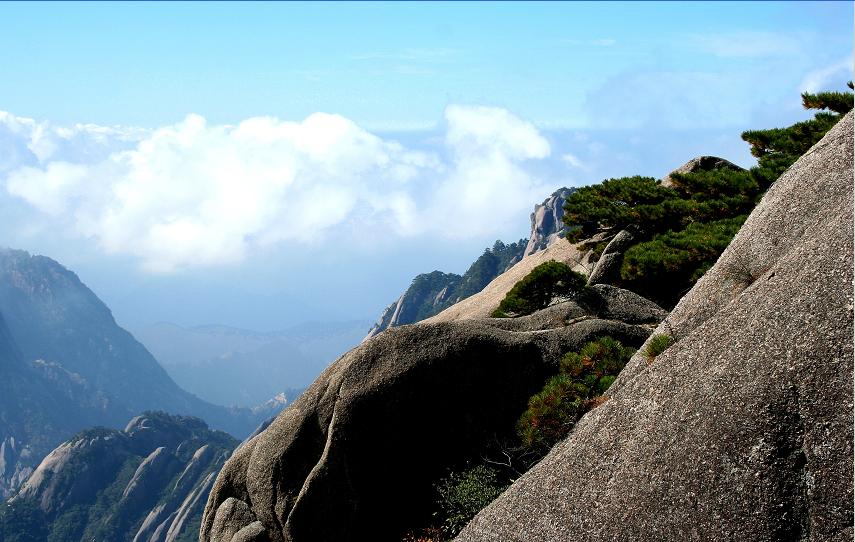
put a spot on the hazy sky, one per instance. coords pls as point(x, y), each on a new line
point(264, 164)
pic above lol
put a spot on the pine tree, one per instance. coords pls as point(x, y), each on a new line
point(681, 230)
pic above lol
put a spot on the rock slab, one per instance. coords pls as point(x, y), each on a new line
point(742, 430)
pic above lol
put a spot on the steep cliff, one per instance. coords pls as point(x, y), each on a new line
point(40, 404)
point(547, 225)
point(147, 483)
point(742, 429)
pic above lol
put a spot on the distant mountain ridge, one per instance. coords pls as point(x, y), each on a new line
point(40, 404)
point(66, 365)
point(146, 483)
point(431, 293)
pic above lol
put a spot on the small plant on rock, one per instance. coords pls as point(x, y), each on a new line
point(656, 345)
point(464, 494)
point(428, 534)
point(579, 387)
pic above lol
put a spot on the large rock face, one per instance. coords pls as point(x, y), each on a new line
point(547, 224)
point(147, 483)
point(354, 458)
point(700, 163)
point(741, 430)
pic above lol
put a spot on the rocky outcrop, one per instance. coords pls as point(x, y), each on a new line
point(354, 458)
point(430, 293)
point(149, 483)
point(607, 268)
point(16, 464)
point(742, 430)
point(482, 304)
point(547, 225)
point(427, 294)
point(701, 163)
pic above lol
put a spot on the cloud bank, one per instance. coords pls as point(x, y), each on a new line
point(194, 194)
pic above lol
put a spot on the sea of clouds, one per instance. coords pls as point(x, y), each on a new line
point(197, 194)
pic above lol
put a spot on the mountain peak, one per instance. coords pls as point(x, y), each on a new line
point(547, 223)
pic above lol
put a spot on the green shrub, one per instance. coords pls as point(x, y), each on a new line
point(666, 267)
point(613, 205)
point(656, 345)
point(464, 494)
point(534, 291)
point(552, 412)
point(584, 377)
point(22, 521)
point(681, 230)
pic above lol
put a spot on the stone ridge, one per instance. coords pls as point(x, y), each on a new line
point(742, 430)
point(430, 293)
point(547, 221)
point(700, 163)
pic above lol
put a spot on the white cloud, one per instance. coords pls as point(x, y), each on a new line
point(674, 100)
point(422, 55)
point(604, 42)
point(477, 129)
point(32, 142)
point(747, 44)
point(831, 77)
point(194, 194)
point(572, 161)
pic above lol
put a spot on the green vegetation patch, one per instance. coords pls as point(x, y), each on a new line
point(461, 495)
point(584, 378)
point(668, 265)
point(681, 230)
point(656, 345)
point(534, 291)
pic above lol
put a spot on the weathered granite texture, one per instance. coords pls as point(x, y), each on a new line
point(743, 429)
point(354, 458)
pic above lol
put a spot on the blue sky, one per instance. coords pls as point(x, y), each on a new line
point(145, 166)
point(388, 65)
